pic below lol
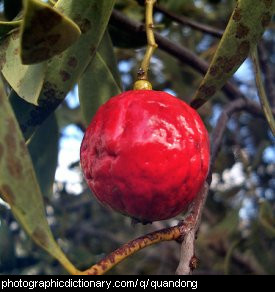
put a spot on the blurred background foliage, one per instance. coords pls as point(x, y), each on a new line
point(237, 234)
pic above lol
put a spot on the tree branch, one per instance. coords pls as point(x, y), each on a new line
point(191, 23)
point(188, 260)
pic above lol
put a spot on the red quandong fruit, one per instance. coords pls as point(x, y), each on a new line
point(145, 154)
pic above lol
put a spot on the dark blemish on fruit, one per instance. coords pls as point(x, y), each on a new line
point(265, 20)
point(241, 31)
point(72, 62)
point(237, 14)
point(7, 194)
point(65, 76)
point(40, 236)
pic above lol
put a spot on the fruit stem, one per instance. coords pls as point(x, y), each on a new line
point(151, 45)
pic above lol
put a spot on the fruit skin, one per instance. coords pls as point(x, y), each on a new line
point(145, 154)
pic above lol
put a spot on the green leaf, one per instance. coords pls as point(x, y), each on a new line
point(7, 26)
point(244, 30)
point(18, 184)
point(45, 32)
point(26, 80)
point(100, 81)
point(66, 69)
point(43, 149)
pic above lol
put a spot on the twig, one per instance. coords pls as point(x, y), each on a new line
point(181, 53)
point(191, 23)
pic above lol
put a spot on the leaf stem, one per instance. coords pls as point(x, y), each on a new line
point(151, 43)
point(261, 91)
